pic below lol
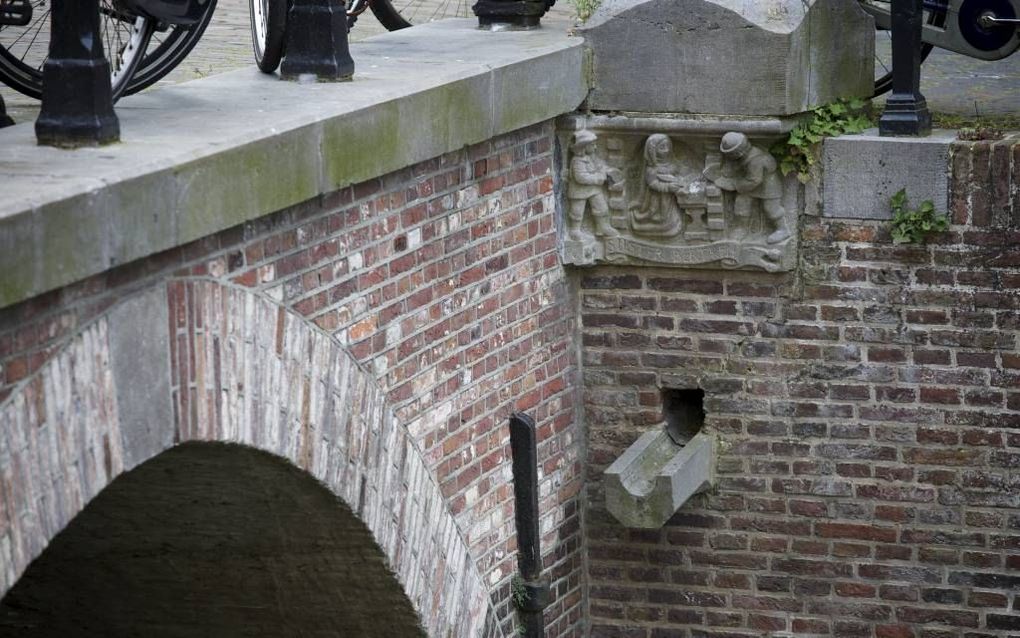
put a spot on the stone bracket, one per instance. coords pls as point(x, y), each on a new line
point(655, 476)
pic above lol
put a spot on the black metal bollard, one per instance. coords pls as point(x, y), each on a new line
point(5, 120)
point(906, 111)
point(532, 594)
point(510, 14)
point(317, 41)
point(77, 103)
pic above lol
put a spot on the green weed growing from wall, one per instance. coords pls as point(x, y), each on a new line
point(913, 226)
point(799, 152)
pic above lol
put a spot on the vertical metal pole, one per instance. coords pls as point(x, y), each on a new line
point(317, 41)
point(77, 102)
point(906, 111)
point(498, 15)
point(533, 595)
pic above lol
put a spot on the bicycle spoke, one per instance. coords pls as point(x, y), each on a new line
point(29, 28)
point(29, 47)
point(436, 12)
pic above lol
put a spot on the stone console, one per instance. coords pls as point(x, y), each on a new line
point(653, 479)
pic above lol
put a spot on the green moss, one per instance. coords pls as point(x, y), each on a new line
point(354, 148)
point(246, 182)
point(1003, 122)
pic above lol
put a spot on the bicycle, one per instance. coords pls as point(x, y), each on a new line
point(141, 48)
point(982, 29)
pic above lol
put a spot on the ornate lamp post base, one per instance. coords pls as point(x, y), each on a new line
point(317, 41)
point(905, 115)
point(77, 102)
point(510, 14)
point(906, 111)
point(76, 110)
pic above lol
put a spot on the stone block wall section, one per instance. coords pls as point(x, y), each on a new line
point(868, 409)
point(441, 280)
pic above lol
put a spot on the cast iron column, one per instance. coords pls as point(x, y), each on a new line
point(532, 595)
point(906, 112)
point(510, 14)
point(77, 103)
point(317, 41)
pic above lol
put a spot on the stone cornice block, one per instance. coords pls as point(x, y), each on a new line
point(739, 57)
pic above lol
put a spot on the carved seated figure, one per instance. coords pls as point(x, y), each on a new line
point(665, 188)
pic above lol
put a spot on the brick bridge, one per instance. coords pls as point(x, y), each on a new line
point(374, 322)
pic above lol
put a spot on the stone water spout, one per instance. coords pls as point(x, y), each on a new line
point(656, 475)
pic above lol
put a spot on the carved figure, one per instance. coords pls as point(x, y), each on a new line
point(659, 213)
point(754, 177)
point(589, 177)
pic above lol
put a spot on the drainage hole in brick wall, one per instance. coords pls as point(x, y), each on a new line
point(684, 412)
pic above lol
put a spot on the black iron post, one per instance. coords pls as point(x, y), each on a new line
point(510, 14)
point(531, 594)
point(5, 120)
point(906, 111)
point(77, 102)
point(317, 41)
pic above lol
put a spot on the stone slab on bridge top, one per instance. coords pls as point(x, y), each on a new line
point(418, 93)
point(733, 57)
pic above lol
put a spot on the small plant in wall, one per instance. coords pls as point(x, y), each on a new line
point(913, 226)
point(519, 594)
point(799, 152)
point(584, 8)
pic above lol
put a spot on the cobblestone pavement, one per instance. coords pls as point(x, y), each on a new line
point(952, 83)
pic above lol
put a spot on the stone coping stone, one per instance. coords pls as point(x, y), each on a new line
point(861, 173)
point(203, 156)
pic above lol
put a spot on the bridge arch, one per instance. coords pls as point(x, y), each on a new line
point(199, 360)
point(210, 539)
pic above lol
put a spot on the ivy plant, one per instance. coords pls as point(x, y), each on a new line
point(799, 152)
point(910, 226)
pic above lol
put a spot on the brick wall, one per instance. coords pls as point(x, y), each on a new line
point(442, 280)
point(869, 412)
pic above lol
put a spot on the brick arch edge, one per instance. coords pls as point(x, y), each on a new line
point(200, 360)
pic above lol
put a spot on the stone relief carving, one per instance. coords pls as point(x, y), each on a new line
point(686, 201)
point(590, 177)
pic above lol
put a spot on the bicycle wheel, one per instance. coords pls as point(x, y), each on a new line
point(268, 26)
point(169, 45)
point(934, 14)
point(23, 50)
point(400, 14)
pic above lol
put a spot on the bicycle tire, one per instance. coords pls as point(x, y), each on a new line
point(883, 71)
point(24, 72)
point(400, 14)
point(268, 28)
point(169, 52)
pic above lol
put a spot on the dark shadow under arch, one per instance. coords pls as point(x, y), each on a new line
point(211, 540)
